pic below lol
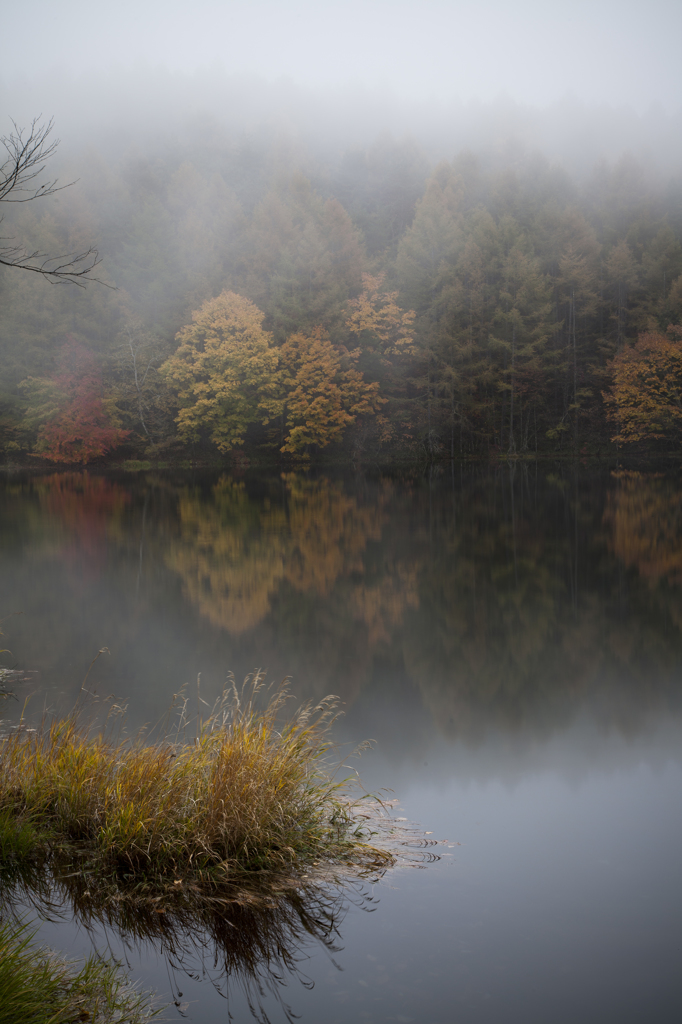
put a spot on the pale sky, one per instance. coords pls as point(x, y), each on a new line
point(534, 51)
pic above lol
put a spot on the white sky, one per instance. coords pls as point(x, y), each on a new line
point(535, 51)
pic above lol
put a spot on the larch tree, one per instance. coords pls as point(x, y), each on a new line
point(324, 391)
point(622, 277)
point(385, 333)
point(303, 259)
point(377, 319)
point(524, 313)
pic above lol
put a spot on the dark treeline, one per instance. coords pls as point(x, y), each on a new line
point(456, 307)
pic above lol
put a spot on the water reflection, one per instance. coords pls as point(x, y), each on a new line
point(512, 638)
point(644, 513)
point(234, 554)
point(508, 597)
point(252, 943)
point(85, 510)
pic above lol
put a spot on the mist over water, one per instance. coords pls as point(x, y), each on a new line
point(511, 639)
point(506, 606)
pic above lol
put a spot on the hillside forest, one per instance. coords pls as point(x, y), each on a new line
point(258, 300)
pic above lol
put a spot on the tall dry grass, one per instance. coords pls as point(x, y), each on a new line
point(249, 792)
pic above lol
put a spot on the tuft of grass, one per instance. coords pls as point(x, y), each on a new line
point(20, 839)
point(248, 793)
point(39, 987)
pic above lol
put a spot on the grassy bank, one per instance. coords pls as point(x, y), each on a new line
point(40, 987)
point(247, 794)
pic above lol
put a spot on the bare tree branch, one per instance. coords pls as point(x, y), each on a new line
point(28, 151)
point(74, 267)
point(26, 160)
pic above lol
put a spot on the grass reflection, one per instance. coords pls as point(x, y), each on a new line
point(233, 850)
point(39, 987)
point(251, 939)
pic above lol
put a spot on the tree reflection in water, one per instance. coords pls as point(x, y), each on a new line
point(644, 513)
point(234, 554)
point(503, 596)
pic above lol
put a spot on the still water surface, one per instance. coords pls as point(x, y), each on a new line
point(510, 637)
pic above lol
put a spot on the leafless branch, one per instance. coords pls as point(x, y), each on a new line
point(70, 266)
point(26, 160)
point(28, 151)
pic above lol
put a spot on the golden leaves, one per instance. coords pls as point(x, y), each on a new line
point(225, 371)
point(228, 374)
point(378, 313)
point(645, 399)
point(322, 397)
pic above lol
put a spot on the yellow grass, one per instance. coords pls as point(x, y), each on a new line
point(248, 793)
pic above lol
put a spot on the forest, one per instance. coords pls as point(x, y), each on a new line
point(264, 299)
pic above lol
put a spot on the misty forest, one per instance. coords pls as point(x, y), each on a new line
point(372, 402)
point(265, 295)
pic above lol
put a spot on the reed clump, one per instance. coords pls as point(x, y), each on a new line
point(39, 987)
point(248, 793)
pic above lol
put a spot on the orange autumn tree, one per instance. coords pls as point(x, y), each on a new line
point(324, 392)
point(645, 399)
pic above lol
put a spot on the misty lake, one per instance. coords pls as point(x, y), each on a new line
point(509, 636)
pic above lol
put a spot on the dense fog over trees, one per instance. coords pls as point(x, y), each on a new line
point(416, 276)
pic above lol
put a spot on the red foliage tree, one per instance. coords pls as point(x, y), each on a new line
point(81, 429)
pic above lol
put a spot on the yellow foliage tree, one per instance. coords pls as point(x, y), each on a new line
point(225, 372)
point(324, 391)
point(378, 313)
point(645, 399)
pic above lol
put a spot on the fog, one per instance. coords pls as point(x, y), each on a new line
point(602, 51)
point(579, 83)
